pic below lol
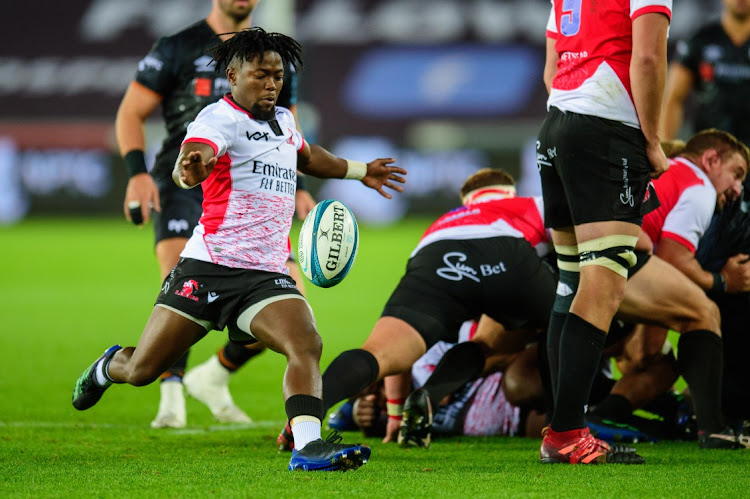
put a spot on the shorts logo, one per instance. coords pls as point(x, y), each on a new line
point(212, 297)
point(455, 270)
point(626, 197)
point(544, 159)
point(177, 225)
point(284, 283)
point(188, 290)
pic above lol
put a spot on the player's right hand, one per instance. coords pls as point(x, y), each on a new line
point(737, 273)
point(194, 170)
point(657, 158)
point(391, 430)
point(141, 195)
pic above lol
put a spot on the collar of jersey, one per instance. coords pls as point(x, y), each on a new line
point(233, 103)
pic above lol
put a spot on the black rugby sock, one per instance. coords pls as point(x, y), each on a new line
point(349, 373)
point(177, 371)
point(581, 346)
point(614, 407)
point(460, 364)
point(233, 356)
point(544, 374)
point(700, 361)
point(554, 333)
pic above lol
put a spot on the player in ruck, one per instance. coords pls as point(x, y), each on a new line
point(481, 258)
point(713, 65)
point(177, 75)
point(704, 176)
point(605, 69)
point(246, 152)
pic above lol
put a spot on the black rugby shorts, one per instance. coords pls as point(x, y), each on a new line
point(448, 282)
point(592, 170)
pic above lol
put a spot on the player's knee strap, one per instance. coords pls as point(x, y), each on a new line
point(613, 252)
point(567, 263)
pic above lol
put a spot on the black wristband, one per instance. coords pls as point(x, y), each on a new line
point(135, 163)
point(301, 182)
point(720, 284)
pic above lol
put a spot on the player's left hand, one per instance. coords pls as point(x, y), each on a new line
point(303, 203)
point(379, 174)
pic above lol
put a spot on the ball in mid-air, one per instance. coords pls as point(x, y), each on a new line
point(328, 242)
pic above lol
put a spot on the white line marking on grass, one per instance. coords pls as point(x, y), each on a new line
point(181, 431)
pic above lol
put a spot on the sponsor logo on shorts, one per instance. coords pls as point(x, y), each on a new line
point(284, 283)
point(626, 197)
point(178, 226)
point(541, 158)
point(188, 290)
point(455, 270)
point(212, 297)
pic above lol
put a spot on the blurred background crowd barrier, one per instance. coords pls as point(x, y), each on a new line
point(446, 86)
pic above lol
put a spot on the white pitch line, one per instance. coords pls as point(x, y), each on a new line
point(194, 430)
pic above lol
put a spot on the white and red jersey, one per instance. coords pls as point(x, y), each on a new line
point(688, 201)
point(483, 405)
point(248, 199)
point(520, 217)
point(594, 42)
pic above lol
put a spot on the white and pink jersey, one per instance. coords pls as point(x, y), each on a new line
point(488, 412)
point(520, 217)
point(248, 199)
point(593, 39)
point(688, 200)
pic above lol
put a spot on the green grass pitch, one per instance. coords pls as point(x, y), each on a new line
point(71, 288)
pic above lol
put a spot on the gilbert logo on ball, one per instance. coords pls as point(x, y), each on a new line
point(328, 243)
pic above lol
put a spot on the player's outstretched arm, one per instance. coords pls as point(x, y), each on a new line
point(377, 174)
point(194, 164)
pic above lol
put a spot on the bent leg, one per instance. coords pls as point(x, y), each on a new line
point(166, 337)
point(662, 295)
point(392, 347)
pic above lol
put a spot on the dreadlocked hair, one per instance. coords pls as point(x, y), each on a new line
point(250, 43)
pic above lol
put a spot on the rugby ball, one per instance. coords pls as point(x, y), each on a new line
point(328, 242)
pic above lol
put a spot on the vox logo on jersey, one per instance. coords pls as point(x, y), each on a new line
point(257, 136)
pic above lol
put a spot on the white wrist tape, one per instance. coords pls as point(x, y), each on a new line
point(355, 169)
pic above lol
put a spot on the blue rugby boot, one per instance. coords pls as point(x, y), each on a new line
point(329, 455)
point(87, 391)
